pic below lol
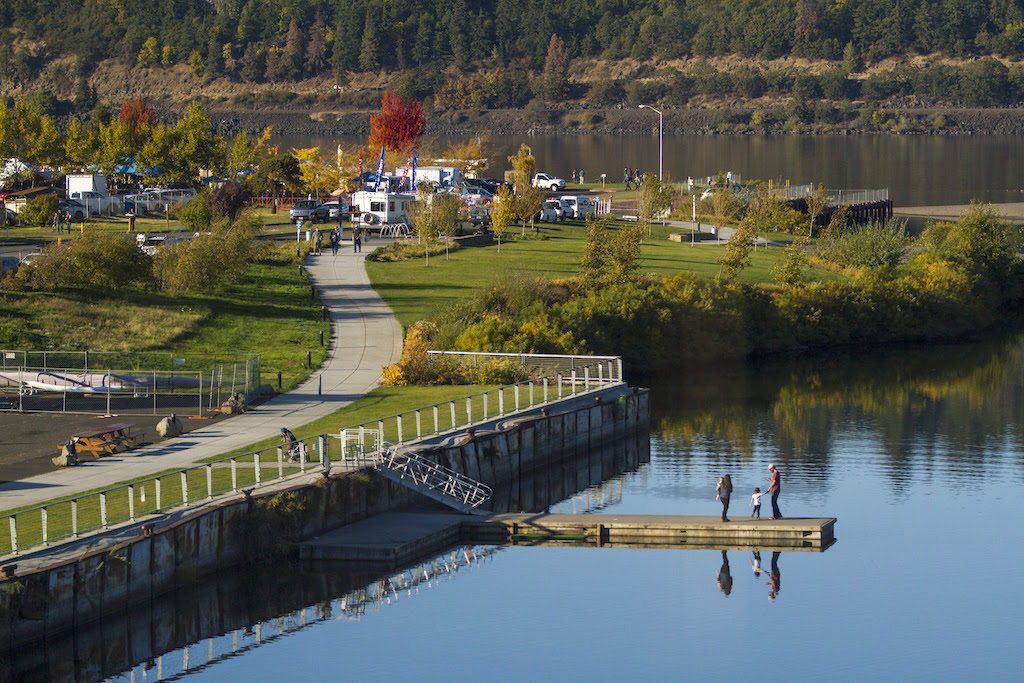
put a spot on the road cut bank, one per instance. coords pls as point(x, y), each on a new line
point(531, 461)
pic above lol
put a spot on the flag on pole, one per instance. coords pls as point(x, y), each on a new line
point(405, 173)
point(414, 170)
point(380, 169)
point(360, 168)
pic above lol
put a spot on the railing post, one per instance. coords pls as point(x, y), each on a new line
point(452, 404)
point(184, 487)
point(572, 386)
point(619, 362)
point(209, 481)
point(469, 410)
point(280, 462)
point(103, 509)
point(14, 534)
point(398, 419)
point(321, 444)
point(559, 376)
point(600, 374)
point(234, 472)
point(380, 426)
point(516, 391)
point(43, 518)
point(486, 413)
point(131, 503)
point(256, 465)
point(419, 431)
point(501, 400)
point(159, 490)
point(437, 425)
point(586, 378)
point(545, 388)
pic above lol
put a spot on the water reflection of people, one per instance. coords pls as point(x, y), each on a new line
point(755, 564)
point(724, 576)
point(775, 579)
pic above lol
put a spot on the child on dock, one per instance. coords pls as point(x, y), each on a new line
point(755, 502)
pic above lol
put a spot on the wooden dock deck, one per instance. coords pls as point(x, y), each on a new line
point(397, 537)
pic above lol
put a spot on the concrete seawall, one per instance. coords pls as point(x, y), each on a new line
point(520, 460)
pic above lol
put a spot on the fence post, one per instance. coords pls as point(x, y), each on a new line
point(586, 378)
point(43, 518)
point(14, 534)
point(184, 487)
point(453, 414)
point(559, 377)
point(321, 443)
point(501, 400)
point(256, 464)
point(209, 481)
point(469, 410)
point(398, 419)
point(437, 426)
point(103, 509)
point(159, 491)
point(485, 407)
point(418, 428)
point(517, 396)
point(234, 474)
point(545, 388)
point(572, 385)
point(131, 502)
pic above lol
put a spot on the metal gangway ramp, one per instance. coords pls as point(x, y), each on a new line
point(399, 464)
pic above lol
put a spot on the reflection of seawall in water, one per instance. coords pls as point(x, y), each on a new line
point(198, 625)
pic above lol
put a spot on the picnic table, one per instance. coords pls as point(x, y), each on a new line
point(106, 440)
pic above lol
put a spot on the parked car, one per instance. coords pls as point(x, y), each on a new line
point(304, 209)
point(9, 264)
point(328, 211)
point(479, 217)
point(734, 188)
point(551, 210)
point(548, 182)
point(480, 183)
point(30, 257)
point(75, 208)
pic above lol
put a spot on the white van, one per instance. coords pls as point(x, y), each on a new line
point(578, 206)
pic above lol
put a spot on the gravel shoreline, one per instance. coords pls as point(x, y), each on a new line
point(618, 121)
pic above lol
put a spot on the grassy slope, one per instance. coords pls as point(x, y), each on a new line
point(415, 291)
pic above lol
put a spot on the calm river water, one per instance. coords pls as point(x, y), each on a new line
point(916, 450)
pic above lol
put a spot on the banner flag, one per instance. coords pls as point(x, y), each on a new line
point(380, 169)
point(414, 170)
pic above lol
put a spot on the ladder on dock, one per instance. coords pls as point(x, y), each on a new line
point(409, 469)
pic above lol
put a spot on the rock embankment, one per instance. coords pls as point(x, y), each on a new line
point(616, 121)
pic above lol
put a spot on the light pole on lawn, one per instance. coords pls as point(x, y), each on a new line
point(661, 140)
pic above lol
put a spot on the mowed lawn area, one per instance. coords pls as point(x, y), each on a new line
point(415, 290)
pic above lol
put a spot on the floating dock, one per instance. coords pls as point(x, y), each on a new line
point(397, 537)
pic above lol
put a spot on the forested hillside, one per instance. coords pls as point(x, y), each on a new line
point(501, 53)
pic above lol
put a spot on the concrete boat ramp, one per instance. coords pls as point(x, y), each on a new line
point(400, 537)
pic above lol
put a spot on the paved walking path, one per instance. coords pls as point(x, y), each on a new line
point(366, 337)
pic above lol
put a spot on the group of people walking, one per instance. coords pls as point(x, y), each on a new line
point(632, 178)
point(334, 238)
point(723, 494)
point(62, 221)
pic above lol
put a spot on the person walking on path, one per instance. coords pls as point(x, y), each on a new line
point(775, 487)
point(58, 221)
point(318, 241)
point(131, 220)
point(724, 490)
point(335, 237)
point(755, 502)
point(357, 239)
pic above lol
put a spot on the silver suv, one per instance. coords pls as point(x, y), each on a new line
point(304, 209)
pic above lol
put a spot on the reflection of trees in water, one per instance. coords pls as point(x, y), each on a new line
point(952, 405)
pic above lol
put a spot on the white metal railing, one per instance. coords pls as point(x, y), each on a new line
point(566, 376)
point(833, 197)
point(432, 479)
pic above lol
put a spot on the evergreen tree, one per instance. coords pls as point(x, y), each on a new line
point(292, 57)
point(422, 49)
point(369, 50)
point(556, 70)
point(316, 50)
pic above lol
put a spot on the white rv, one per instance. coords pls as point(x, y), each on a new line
point(381, 208)
point(578, 206)
point(442, 176)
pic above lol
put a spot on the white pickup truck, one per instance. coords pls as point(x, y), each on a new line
point(548, 182)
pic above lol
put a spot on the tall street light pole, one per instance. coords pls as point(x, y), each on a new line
point(661, 140)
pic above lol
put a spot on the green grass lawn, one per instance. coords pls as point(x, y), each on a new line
point(416, 291)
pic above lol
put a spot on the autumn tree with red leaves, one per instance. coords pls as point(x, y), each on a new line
point(399, 125)
point(135, 116)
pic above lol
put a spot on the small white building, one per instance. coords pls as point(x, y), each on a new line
point(381, 208)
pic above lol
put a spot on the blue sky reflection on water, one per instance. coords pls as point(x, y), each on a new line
point(920, 585)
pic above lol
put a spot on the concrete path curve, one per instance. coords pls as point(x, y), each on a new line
point(366, 337)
